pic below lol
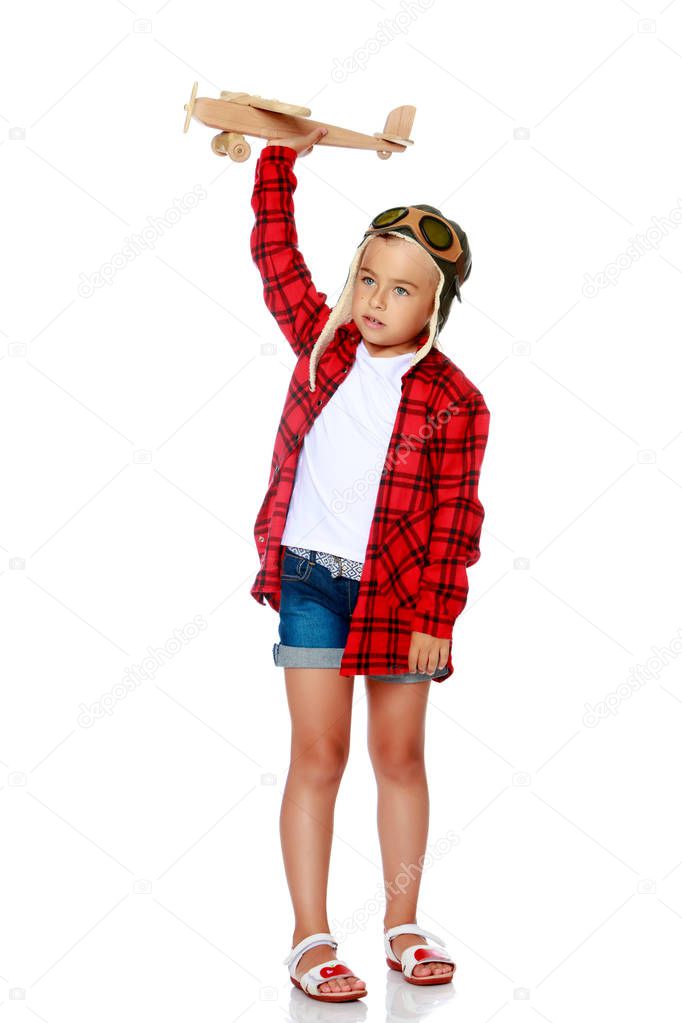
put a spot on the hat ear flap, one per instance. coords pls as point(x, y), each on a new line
point(342, 311)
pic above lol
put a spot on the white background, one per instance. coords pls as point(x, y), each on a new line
point(141, 874)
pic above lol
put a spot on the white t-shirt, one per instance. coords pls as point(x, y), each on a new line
point(339, 467)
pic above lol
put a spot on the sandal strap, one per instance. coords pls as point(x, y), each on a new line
point(412, 928)
point(319, 938)
point(416, 954)
point(333, 968)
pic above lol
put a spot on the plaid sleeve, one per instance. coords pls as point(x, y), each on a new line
point(290, 295)
point(456, 454)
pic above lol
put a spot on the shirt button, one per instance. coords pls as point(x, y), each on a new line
point(261, 539)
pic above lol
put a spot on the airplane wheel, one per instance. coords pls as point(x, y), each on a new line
point(229, 143)
point(219, 144)
point(383, 154)
point(238, 148)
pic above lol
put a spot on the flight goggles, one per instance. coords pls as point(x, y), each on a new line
point(434, 232)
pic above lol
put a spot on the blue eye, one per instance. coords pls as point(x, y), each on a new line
point(367, 278)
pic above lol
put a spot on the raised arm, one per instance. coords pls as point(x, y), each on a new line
point(299, 308)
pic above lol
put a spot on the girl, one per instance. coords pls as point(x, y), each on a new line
point(365, 533)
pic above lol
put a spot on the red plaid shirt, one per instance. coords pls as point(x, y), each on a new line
point(427, 519)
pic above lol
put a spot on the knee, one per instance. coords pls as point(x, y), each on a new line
point(322, 763)
point(393, 761)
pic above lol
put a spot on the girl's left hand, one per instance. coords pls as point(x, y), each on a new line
point(427, 653)
point(303, 144)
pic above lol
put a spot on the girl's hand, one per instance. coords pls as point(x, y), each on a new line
point(427, 653)
point(303, 144)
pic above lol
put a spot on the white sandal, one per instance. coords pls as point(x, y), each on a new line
point(310, 981)
point(414, 955)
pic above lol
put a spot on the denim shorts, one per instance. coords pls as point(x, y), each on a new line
point(314, 618)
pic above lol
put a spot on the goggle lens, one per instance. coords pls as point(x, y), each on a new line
point(389, 217)
point(436, 232)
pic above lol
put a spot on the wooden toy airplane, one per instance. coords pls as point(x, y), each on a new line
point(239, 114)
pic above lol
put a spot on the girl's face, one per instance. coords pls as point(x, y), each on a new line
point(396, 285)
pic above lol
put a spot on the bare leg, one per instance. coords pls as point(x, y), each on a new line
point(320, 703)
point(395, 740)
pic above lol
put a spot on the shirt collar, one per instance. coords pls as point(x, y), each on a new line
point(355, 336)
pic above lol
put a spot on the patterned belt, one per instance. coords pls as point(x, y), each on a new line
point(337, 565)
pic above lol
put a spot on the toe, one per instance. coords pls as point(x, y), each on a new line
point(342, 985)
point(428, 969)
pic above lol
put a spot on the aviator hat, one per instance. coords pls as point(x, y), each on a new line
point(452, 271)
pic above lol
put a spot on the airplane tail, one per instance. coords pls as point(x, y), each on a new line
point(399, 123)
